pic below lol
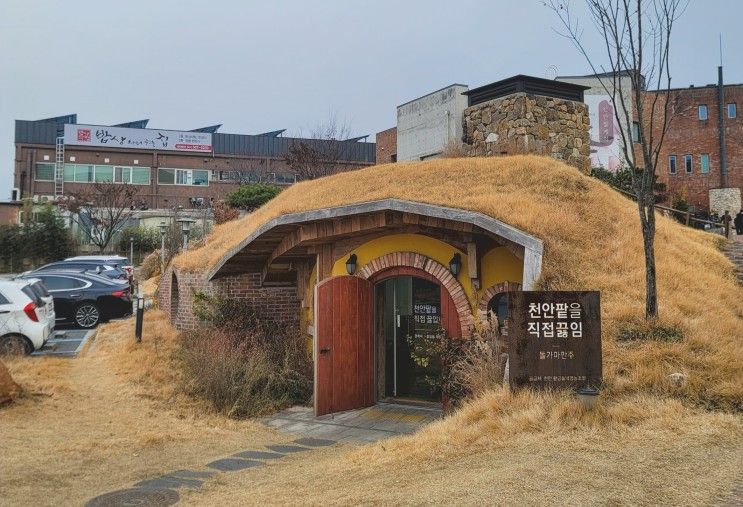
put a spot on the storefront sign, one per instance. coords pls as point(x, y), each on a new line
point(145, 139)
point(555, 339)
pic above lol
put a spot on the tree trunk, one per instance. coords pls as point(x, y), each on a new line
point(647, 219)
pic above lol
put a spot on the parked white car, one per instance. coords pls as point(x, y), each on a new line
point(26, 316)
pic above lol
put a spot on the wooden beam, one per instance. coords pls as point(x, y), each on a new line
point(473, 264)
point(324, 262)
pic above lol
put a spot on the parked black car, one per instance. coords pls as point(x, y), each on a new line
point(111, 271)
point(85, 299)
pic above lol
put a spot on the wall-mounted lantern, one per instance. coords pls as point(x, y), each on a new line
point(455, 264)
point(351, 264)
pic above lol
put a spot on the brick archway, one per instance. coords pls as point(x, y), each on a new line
point(435, 269)
point(489, 293)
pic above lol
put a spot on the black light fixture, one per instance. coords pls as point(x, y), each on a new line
point(351, 264)
point(455, 264)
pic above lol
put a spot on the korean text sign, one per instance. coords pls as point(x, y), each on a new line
point(145, 139)
point(555, 339)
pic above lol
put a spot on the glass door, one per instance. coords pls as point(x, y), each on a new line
point(411, 330)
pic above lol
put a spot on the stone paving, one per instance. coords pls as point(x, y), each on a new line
point(360, 426)
point(163, 491)
point(370, 424)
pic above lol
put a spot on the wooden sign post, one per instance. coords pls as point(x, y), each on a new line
point(555, 339)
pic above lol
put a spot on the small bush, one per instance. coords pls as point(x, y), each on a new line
point(252, 196)
point(473, 366)
point(150, 266)
point(636, 330)
point(243, 362)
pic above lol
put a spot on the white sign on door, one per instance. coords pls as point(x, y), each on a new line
point(145, 139)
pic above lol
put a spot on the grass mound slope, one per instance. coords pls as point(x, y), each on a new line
point(592, 241)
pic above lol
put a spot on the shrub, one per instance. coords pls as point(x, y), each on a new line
point(252, 196)
point(473, 366)
point(150, 266)
point(146, 239)
point(223, 213)
point(42, 238)
point(243, 362)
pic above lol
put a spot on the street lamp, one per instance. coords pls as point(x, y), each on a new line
point(186, 224)
point(131, 250)
point(163, 232)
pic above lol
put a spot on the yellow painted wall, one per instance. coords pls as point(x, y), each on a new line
point(497, 266)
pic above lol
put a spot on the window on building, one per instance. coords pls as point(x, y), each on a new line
point(635, 132)
point(44, 172)
point(200, 178)
point(704, 162)
point(140, 175)
point(702, 111)
point(732, 110)
point(688, 164)
point(122, 174)
point(166, 176)
point(183, 177)
point(84, 173)
point(69, 172)
point(672, 164)
point(104, 173)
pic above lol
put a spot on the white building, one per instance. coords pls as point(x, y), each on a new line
point(426, 125)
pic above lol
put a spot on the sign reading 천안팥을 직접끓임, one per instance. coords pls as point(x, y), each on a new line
point(144, 139)
point(555, 339)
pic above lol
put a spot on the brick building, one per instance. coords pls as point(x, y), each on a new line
point(58, 156)
point(690, 162)
point(387, 146)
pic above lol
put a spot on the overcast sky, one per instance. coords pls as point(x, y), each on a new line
point(256, 66)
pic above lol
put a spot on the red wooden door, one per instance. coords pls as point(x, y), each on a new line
point(344, 344)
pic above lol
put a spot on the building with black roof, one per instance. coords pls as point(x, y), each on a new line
point(58, 156)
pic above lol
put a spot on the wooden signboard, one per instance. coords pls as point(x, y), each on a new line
point(554, 339)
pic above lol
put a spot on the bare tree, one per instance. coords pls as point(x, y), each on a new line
point(101, 210)
point(325, 152)
point(636, 36)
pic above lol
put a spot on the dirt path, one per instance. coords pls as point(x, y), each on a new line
point(89, 425)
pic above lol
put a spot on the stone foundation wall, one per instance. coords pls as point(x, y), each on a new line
point(721, 199)
point(521, 123)
point(177, 301)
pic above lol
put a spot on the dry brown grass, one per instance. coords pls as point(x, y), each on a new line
point(108, 419)
point(592, 241)
point(524, 449)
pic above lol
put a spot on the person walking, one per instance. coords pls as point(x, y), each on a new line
point(726, 219)
point(738, 222)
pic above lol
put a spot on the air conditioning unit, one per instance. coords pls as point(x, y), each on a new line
point(35, 198)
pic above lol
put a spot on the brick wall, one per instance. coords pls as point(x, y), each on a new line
point(687, 134)
point(279, 302)
point(387, 146)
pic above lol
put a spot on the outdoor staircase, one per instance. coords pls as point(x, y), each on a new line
point(734, 251)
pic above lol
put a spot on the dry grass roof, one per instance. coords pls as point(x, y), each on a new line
point(592, 240)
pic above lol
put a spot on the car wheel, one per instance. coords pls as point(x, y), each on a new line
point(87, 315)
point(14, 345)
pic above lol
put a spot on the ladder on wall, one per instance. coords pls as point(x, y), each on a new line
point(59, 168)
